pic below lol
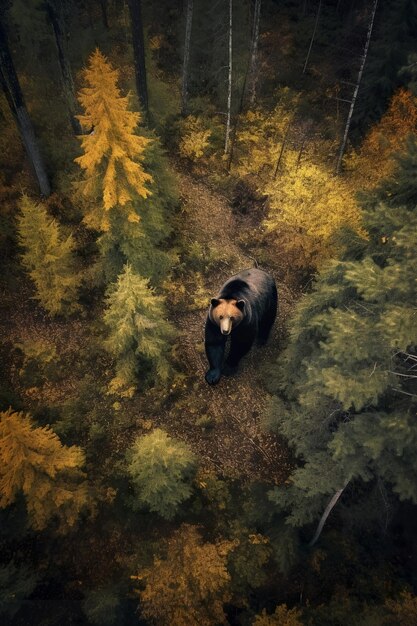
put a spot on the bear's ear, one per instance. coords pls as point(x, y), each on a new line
point(215, 302)
point(240, 304)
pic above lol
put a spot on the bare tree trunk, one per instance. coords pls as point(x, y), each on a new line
point(312, 37)
point(14, 96)
point(135, 10)
point(103, 5)
point(284, 143)
point(229, 89)
point(253, 67)
point(55, 12)
point(186, 62)
point(326, 514)
point(355, 93)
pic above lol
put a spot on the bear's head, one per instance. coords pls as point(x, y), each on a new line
point(227, 314)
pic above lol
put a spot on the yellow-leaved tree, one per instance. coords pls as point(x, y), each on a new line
point(259, 142)
point(282, 616)
point(113, 153)
point(308, 204)
point(35, 463)
point(374, 161)
point(195, 137)
point(190, 585)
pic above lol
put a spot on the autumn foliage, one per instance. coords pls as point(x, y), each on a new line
point(190, 584)
point(48, 474)
point(375, 161)
point(113, 153)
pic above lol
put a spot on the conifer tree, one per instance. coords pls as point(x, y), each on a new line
point(282, 616)
point(16, 584)
point(48, 474)
point(161, 469)
point(128, 206)
point(48, 256)
point(346, 392)
point(113, 153)
point(139, 334)
point(190, 585)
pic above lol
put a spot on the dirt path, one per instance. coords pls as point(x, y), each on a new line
point(233, 442)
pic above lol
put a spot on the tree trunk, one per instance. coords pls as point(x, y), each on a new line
point(55, 14)
point(14, 95)
point(186, 63)
point(284, 143)
point(135, 10)
point(253, 67)
point(103, 5)
point(355, 93)
point(326, 514)
point(312, 37)
point(229, 89)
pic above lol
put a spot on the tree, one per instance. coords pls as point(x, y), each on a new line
point(11, 87)
point(375, 158)
point(113, 153)
point(16, 584)
point(190, 584)
point(345, 391)
point(316, 23)
point(135, 10)
point(229, 80)
point(282, 616)
point(128, 207)
point(356, 90)
point(307, 206)
point(56, 16)
point(48, 474)
point(139, 334)
point(396, 21)
point(186, 61)
point(161, 469)
point(48, 257)
point(253, 65)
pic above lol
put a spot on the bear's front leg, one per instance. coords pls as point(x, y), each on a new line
point(215, 344)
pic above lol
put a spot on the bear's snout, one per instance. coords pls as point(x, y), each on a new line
point(225, 326)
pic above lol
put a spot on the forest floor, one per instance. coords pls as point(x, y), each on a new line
point(233, 443)
point(221, 423)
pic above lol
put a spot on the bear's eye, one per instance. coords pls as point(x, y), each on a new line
point(221, 317)
point(232, 319)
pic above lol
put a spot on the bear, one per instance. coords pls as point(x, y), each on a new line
point(245, 309)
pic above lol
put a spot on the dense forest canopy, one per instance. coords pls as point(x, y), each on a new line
point(149, 151)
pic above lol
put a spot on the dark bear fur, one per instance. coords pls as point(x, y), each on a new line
point(255, 292)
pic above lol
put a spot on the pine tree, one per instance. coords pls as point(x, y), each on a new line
point(139, 334)
point(282, 616)
point(188, 586)
point(35, 463)
point(346, 389)
point(113, 153)
point(48, 257)
point(161, 469)
point(128, 206)
point(16, 584)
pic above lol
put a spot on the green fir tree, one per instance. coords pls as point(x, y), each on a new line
point(48, 256)
point(139, 334)
point(161, 469)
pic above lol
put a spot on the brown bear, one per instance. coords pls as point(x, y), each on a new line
point(245, 309)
